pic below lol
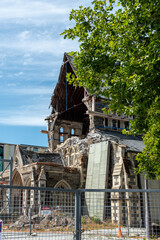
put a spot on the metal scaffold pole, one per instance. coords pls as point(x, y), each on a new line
point(147, 210)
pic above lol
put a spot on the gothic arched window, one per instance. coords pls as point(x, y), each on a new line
point(72, 131)
point(61, 135)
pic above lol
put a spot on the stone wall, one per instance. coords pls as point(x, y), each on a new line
point(61, 131)
point(126, 207)
point(73, 179)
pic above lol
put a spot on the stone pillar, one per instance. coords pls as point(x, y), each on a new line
point(133, 209)
point(116, 208)
point(41, 194)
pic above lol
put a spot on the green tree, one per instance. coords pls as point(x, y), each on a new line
point(119, 58)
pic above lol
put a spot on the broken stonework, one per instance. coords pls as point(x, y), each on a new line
point(91, 138)
point(100, 136)
point(74, 150)
point(41, 222)
point(36, 218)
point(45, 221)
point(20, 223)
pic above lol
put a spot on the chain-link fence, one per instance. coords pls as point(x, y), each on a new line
point(46, 213)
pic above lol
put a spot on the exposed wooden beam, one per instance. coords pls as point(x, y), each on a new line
point(99, 114)
point(44, 131)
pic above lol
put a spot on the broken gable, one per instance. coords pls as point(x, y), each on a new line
point(68, 116)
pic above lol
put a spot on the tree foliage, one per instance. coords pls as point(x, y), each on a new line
point(119, 58)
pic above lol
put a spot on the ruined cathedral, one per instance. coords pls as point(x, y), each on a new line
point(86, 147)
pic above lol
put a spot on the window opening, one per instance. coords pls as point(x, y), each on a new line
point(1, 152)
point(61, 138)
point(119, 124)
point(126, 124)
point(106, 122)
point(61, 130)
point(72, 131)
point(114, 124)
point(1, 157)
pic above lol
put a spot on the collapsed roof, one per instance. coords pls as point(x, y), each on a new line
point(29, 157)
point(132, 143)
point(66, 96)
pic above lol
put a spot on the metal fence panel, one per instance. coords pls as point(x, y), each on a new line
point(123, 214)
point(45, 213)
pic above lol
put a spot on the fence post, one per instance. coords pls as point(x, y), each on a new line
point(10, 184)
point(1, 229)
point(146, 210)
point(77, 235)
point(30, 221)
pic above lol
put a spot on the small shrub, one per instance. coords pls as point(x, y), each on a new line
point(96, 220)
point(83, 220)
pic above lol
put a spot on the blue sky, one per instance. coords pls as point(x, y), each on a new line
point(31, 53)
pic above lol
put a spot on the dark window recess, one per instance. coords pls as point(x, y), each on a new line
point(119, 124)
point(114, 124)
point(1, 152)
point(106, 122)
point(1, 157)
point(126, 125)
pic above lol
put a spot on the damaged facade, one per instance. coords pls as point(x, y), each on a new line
point(36, 169)
point(76, 113)
point(77, 121)
point(83, 142)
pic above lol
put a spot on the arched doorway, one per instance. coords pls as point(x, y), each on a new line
point(62, 185)
point(17, 194)
point(63, 200)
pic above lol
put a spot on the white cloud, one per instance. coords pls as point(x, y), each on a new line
point(24, 35)
point(30, 115)
point(19, 74)
point(38, 12)
point(27, 55)
point(30, 37)
point(46, 63)
point(14, 9)
point(23, 121)
point(27, 62)
point(30, 91)
point(2, 59)
point(11, 84)
point(55, 46)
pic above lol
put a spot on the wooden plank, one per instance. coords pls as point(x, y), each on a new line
point(44, 131)
point(103, 115)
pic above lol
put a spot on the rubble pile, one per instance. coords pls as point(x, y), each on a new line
point(39, 222)
point(75, 150)
point(83, 144)
point(73, 141)
point(23, 221)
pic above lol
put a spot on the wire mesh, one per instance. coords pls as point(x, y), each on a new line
point(121, 214)
point(40, 213)
point(68, 214)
